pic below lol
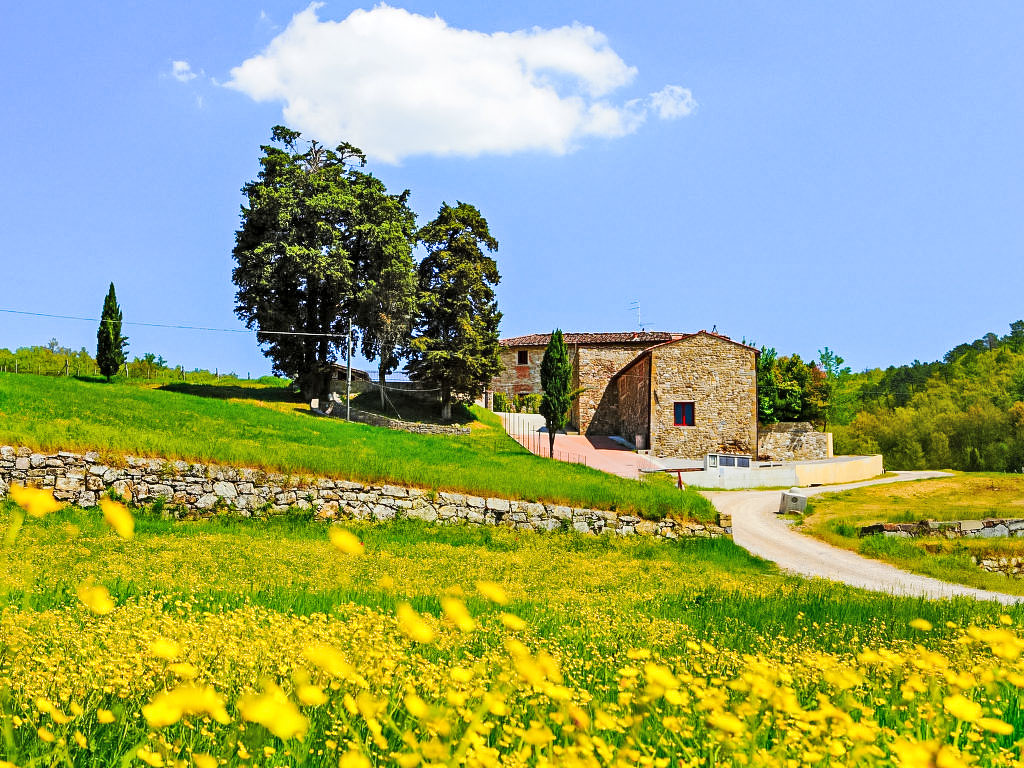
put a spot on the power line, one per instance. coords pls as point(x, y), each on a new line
point(176, 327)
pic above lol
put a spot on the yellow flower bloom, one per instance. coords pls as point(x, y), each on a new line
point(329, 660)
point(163, 648)
point(311, 695)
point(962, 708)
point(45, 734)
point(80, 739)
point(169, 707)
point(118, 517)
point(455, 611)
point(493, 592)
point(104, 716)
point(203, 760)
point(513, 622)
point(922, 624)
point(96, 598)
point(726, 721)
point(273, 710)
point(995, 726)
point(149, 757)
point(38, 502)
point(353, 759)
point(345, 541)
point(413, 625)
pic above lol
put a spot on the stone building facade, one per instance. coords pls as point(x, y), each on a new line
point(690, 397)
point(632, 384)
point(595, 358)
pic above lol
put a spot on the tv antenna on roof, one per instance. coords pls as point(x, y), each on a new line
point(641, 324)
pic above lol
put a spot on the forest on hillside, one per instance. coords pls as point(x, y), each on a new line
point(963, 412)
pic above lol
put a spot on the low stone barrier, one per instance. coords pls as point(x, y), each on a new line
point(204, 490)
point(950, 529)
point(376, 420)
point(1011, 566)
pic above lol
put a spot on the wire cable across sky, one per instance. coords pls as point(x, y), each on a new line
point(176, 327)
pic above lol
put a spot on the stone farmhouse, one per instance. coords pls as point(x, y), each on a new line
point(676, 394)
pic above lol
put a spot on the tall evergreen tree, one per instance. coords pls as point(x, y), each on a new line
point(383, 235)
point(110, 344)
point(456, 344)
point(555, 381)
point(294, 270)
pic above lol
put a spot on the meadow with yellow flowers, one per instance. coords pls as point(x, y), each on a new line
point(128, 639)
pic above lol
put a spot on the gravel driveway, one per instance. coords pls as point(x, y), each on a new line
point(757, 529)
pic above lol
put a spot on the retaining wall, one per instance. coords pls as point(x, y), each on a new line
point(204, 490)
point(793, 441)
point(949, 529)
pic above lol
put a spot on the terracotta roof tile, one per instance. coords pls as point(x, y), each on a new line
point(626, 337)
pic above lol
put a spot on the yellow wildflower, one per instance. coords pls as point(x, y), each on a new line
point(493, 592)
point(149, 757)
point(203, 760)
point(455, 611)
point(995, 726)
point(922, 624)
point(96, 598)
point(38, 502)
point(353, 759)
point(104, 716)
point(345, 541)
point(118, 517)
point(80, 739)
point(513, 622)
point(726, 721)
point(311, 695)
point(169, 707)
point(163, 648)
point(329, 660)
point(413, 625)
point(962, 708)
point(273, 710)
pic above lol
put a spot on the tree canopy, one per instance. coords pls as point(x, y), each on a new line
point(556, 383)
point(455, 346)
point(110, 344)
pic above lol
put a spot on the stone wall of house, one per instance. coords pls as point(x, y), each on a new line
point(516, 379)
point(793, 441)
point(634, 403)
point(950, 529)
point(204, 490)
point(718, 377)
point(596, 411)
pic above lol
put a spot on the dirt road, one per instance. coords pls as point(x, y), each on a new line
point(757, 529)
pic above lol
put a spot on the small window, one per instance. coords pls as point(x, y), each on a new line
point(683, 414)
point(743, 461)
point(727, 461)
point(522, 357)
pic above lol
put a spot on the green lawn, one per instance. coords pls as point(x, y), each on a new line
point(263, 427)
point(837, 518)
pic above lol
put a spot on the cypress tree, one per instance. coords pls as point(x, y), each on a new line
point(110, 344)
point(555, 380)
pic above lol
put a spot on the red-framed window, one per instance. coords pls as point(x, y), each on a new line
point(522, 357)
point(682, 414)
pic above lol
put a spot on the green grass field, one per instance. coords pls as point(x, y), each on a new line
point(607, 652)
point(263, 427)
point(837, 518)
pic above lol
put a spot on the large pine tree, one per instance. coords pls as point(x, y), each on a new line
point(110, 344)
point(456, 344)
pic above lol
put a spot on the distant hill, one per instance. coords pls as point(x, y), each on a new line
point(965, 411)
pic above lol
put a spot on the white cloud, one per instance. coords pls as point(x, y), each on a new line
point(398, 84)
point(672, 101)
point(182, 71)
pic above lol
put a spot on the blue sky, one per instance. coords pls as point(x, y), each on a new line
point(849, 176)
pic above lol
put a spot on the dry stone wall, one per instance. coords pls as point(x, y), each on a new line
point(204, 490)
point(1011, 566)
point(792, 441)
point(337, 411)
point(949, 529)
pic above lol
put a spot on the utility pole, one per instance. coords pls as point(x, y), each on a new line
point(348, 375)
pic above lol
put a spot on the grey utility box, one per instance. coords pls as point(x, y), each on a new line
point(792, 502)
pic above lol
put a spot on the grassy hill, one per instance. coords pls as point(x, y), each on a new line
point(263, 427)
point(233, 639)
point(838, 517)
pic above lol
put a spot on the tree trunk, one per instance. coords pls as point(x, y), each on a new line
point(551, 442)
point(446, 404)
point(381, 376)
